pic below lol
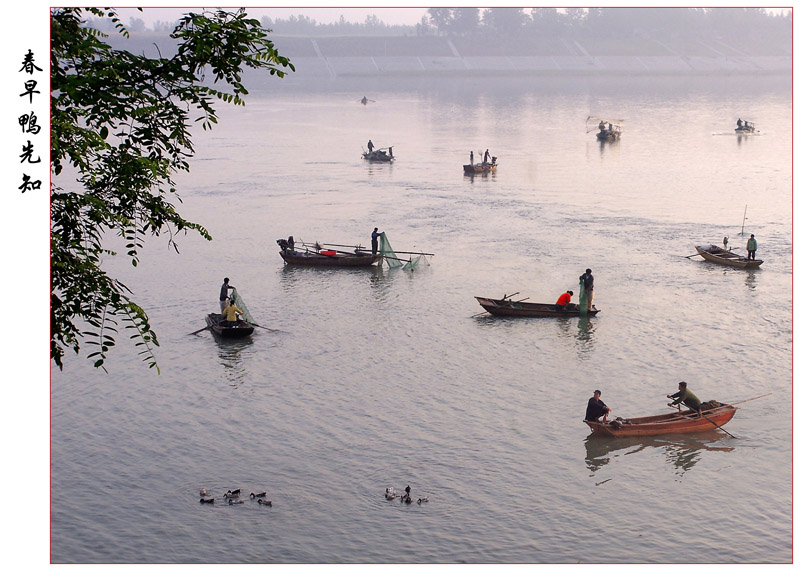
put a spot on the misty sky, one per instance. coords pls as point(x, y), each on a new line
point(400, 15)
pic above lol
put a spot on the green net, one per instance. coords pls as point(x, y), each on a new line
point(388, 253)
point(414, 262)
point(583, 300)
point(239, 302)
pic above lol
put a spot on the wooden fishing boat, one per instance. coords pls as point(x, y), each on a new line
point(745, 128)
point(330, 258)
point(680, 422)
point(511, 308)
point(378, 156)
point(608, 130)
point(608, 135)
point(726, 257)
point(480, 168)
point(237, 331)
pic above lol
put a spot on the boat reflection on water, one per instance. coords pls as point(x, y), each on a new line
point(683, 451)
point(232, 356)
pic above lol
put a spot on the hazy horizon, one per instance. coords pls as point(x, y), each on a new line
point(393, 16)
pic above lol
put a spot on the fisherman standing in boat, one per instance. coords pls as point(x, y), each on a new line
point(375, 236)
point(223, 294)
point(685, 396)
point(471, 158)
point(370, 146)
point(739, 123)
point(486, 156)
point(752, 246)
point(587, 280)
point(596, 408)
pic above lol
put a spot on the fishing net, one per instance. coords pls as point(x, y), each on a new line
point(414, 262)
point(584, 301)
point(388, 253)
point(237, 300)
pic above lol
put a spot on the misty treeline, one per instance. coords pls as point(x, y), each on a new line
point(735, 24)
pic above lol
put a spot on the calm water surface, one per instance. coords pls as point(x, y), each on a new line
point(382, 377)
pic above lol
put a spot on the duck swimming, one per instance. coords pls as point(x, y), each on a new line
point(232, 493)
point(253, 495)
point(207, 501)
point(203, 493)
point(390, 495)
point(420, 500)
point(265, 502)
point(232, 501)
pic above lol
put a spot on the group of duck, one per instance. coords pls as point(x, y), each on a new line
point(404, 498)
point(234, 497)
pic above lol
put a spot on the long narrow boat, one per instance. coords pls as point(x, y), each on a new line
point(511, 308)
point(330, 258)
point(675, 423)
point(241, 329)
point(726, 257)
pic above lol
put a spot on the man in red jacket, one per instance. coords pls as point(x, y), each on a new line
point(564, 301)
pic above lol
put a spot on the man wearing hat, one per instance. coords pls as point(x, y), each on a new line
point(596, 408)
point(686, 397)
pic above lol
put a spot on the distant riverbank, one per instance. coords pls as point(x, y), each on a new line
point(343, 56)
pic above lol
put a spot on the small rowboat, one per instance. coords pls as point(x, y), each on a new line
point(378, 156)
point(237, 331)
point(674, 423)
point(511, 308)
point(480, 168)
point(726, 257)
point(330, 258)
point(608, 135)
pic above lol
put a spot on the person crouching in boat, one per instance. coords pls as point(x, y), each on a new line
point(563, 301)
point(230, 315)
point(596, 408)
point(685, 396)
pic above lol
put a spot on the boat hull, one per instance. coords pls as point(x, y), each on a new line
point(480, 168)
point(726, 258)
point(377, 157)
point(335, 261)
point(509, 308)
point(608, 136)
point(241, 329)
point(675, 423)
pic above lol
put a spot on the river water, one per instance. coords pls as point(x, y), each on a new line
point(379, 377)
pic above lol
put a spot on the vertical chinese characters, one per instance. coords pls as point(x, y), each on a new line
point(29, 124)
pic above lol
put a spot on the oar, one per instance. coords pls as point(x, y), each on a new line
point(420, 253)
point(199, 330)
point(748, 400)
point(700, 414)
point(692, 256)
point(262, 327)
